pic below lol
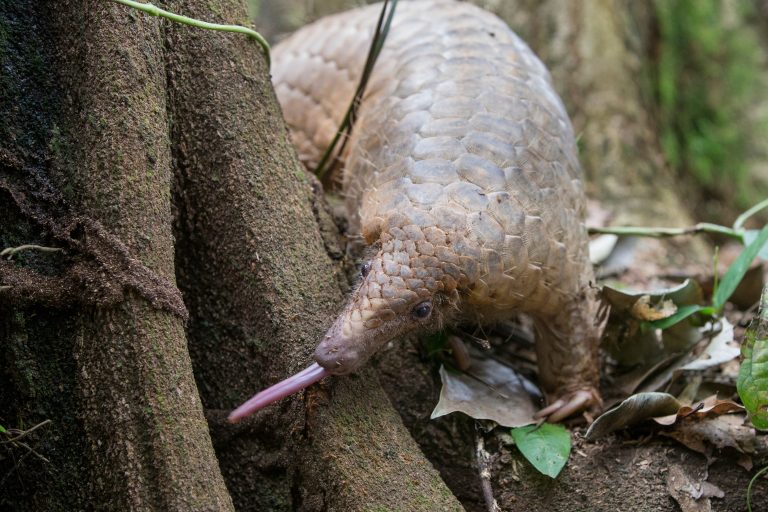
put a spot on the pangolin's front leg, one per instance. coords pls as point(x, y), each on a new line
point(567, 353)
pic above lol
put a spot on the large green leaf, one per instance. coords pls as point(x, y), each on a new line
point(752, 383)
point(547, 446)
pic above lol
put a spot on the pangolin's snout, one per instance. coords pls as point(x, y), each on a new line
point(337, 353)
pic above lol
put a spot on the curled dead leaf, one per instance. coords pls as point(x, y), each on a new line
point(631, 411)
point(643, 310)
point(709, 407)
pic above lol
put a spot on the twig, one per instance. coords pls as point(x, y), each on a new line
point(658, 232)
point(26, 432)
point(10, 251)
point(345, 128)
point(33, 452)
point(153, 10)
point(484, 470)
point(739, 224)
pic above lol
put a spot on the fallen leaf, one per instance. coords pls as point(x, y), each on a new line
point(691, 493)
point(745, 461)
point(726, 431)
point(710, 406)
point(643, 310)
point(601, 247)
point(721, 348)
point(631, 411)
point(622, 300)
point(677, 342)
point(630, 338)
point(489, 391)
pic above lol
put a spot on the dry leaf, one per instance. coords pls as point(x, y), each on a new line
point(490, 391)
point(708, 407)
point(726, 431)
point(691, 493)
point(634, 409)
point(642, 309)
point(722, 348)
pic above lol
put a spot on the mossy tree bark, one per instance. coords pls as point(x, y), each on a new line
point(145, 440)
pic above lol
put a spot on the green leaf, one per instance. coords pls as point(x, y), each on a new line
point(749, 236)
point(2, 430)
point(738, 268)
point(682, 313)
point(547, 447)
point(752, 383)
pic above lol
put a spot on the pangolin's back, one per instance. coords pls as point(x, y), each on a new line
point(462, 152)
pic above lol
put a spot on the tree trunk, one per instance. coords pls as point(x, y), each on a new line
point(146, 443)
point(89, 168)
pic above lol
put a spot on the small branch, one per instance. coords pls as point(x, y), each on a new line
point(26, 432)
point(342, 134)
point(10, 251)
point(484, 469)
point(153, 10)
point(33, 451)
point(658, 232)
point(739, 224)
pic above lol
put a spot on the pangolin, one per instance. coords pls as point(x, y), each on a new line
point(462, 174)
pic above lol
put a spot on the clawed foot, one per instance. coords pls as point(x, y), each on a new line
point(571, 403)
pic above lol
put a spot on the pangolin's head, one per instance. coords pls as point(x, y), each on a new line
point(410, 285)
point(397, 295)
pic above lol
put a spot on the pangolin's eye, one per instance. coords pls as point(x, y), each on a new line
point(422, 310)
point(365, 268)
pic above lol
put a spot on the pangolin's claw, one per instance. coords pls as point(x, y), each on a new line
point(569, 404)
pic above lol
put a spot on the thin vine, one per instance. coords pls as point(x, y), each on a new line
point(153, 10)
point(737, 231)
point(345, 128)
point(749, 487)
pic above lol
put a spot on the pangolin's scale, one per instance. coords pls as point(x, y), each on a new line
point(462, 165)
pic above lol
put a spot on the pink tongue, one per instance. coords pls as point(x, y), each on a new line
point(282, 389)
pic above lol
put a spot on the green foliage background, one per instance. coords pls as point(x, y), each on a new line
point(713, 102)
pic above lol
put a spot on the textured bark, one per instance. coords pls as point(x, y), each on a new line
point(145, 443)
point(255, 270)
point(141, 412)
point(37, 377)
